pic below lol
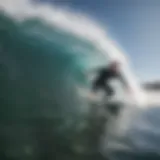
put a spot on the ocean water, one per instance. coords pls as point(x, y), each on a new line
point(45, 65)
point(44, 85)
point(143, 138)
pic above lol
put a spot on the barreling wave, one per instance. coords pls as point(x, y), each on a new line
point(45, 54)
point(52, 24)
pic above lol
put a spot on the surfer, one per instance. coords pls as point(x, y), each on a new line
point(105, 74)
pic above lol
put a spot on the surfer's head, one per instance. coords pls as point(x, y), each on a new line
point(114, 66)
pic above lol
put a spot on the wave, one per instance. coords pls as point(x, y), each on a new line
point(45, 55)
point(79, 26)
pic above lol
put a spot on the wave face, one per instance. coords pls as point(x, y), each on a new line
point(79, 26)
point(43, 64)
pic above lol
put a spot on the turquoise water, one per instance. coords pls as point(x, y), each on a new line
point(45, 60)
point(43, 113)
point(41, 69)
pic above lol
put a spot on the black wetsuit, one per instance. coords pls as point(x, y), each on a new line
point(102, 81)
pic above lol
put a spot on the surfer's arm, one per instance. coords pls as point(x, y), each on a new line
point(123, 81)
point(127, 87)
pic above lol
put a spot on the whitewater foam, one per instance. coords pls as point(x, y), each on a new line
point(77, 24)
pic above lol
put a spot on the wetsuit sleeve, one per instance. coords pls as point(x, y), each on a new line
point(123, 81)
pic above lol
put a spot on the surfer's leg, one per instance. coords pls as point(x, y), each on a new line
point(109, 91)
point(96, 85)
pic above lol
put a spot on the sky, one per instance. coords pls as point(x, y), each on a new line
point(134, 24)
